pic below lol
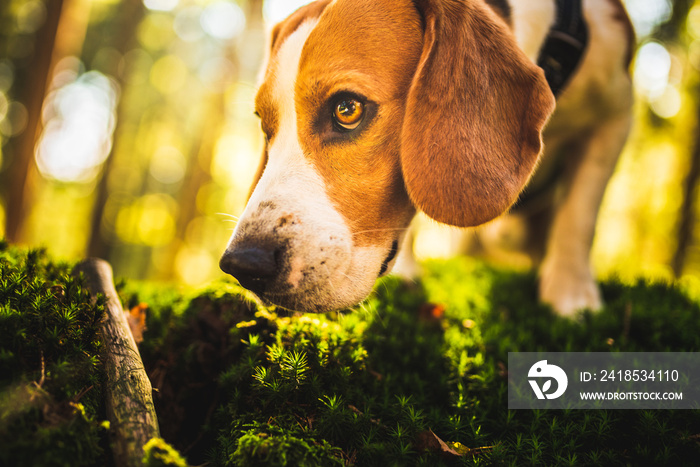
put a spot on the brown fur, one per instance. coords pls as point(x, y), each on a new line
point(465, 138)
point(264, 105)
point(283, 29)
point(454, 112)
point(363, 175)
point(474, 116)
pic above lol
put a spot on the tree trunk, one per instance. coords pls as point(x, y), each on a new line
point(15, 179)
point(98, 246)
point(128, 391)
point(690, 193)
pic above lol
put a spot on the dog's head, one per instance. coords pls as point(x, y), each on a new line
point(371, 109)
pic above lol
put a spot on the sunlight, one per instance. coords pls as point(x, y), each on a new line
point(160, 5)
point(156, 32)
point(223, 20)
point(77, 137)
point(652, 69)
point(275, 11)
point(194, 265)
point(4, 106)
point(235, 160)
point(168, 165)
point(216, 73)
point(693, 22)
point(187, 24)
point(433, 241)
point(15, 120)
point(168, 74)
point(646, 14)
point(668, 104)
point(148, 221)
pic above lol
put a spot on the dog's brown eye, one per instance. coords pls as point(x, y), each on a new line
point(348, 113)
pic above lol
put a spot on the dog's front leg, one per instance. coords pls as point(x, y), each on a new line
point(566, 278)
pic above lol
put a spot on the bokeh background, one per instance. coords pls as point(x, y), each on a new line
point(127, 132)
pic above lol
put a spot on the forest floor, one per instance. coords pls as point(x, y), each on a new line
point(416, 375)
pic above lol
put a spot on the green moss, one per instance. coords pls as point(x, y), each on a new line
point(371, 382)
point(277, 447)
point(50, 376)
point(240, 384)
point(158, 453)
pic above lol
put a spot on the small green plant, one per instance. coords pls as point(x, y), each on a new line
point(276, 447)
point(50, 375)
point(158, 453)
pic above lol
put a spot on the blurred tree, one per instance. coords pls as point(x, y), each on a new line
point(130, 15)
point(215, 118)
point(198, 173)
point(673, 31)
point(687, 221)
point(30, 91)
point(62, 35)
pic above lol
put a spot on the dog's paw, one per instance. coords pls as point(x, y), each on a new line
point(568, 289)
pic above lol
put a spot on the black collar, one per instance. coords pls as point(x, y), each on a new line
point(564, 46)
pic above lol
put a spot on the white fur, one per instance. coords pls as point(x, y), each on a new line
point(288, 173)
point(532, 20)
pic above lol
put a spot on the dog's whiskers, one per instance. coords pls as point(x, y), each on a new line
point(330, 282)
point(227, 215)
point(233, 219)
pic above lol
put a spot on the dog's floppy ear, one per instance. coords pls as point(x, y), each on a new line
point(474, 114)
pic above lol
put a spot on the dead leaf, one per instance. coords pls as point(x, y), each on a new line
point(466, 451)
point(429, 441)
point(136, 317)
point(59, 292)
point(431, 312)
point(502, 370)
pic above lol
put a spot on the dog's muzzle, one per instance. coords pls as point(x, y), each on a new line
point(255, 266)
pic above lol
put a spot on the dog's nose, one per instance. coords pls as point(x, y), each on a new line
point(253, 266)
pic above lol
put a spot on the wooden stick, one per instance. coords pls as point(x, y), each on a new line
point(128, 391)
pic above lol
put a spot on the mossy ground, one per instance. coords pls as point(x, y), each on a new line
point(50, 377)
point(364, 387)
point(239, 384)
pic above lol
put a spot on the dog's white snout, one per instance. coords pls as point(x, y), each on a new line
point(285, 256)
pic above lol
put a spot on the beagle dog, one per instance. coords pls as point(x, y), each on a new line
point(372, 109)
